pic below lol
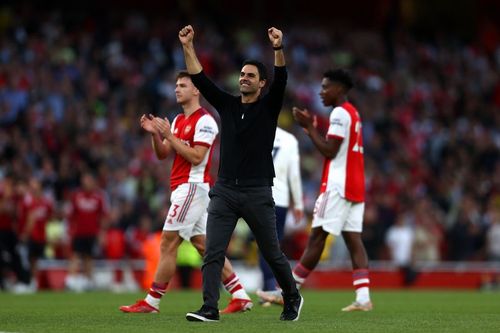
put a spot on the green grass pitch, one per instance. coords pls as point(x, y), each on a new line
point(395, 311)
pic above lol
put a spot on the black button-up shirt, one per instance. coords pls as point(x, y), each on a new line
point(247, 130)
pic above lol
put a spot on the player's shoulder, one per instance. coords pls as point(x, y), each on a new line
point(206, 117)
point(347, 109)
point(340, 109)
point(206, 122)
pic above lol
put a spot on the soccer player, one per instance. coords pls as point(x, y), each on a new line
point(9, 254)
point(340, 205)
point(87, 212)
point(246, 172)
point(191, 138)
point(287, 167)
point(37, 210)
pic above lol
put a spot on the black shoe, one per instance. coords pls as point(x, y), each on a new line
point(205, 313)
point(291, 307)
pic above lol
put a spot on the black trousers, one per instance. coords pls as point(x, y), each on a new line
point(256, 206)
point(11, 259)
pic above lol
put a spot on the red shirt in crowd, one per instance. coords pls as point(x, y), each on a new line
point(86, 211)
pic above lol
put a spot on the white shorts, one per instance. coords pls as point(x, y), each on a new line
point(336, 214)
point(188, 210)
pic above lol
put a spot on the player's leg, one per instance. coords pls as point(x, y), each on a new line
point(222, 218)
point(178, 223)
point(258, 211)
point(170, 241)
point(83, 249)
point(72, 277)
point(311, 255)
point(327, 217)
point(240, 301)
point(304, 267)
point(360, 275)
point(88, 270)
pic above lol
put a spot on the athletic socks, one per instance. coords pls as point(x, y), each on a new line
point(233, 285)
point(361, 283)
point(155, 294)
point(300, 274)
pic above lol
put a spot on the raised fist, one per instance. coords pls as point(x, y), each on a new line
point(275, 36)
point(186, 34)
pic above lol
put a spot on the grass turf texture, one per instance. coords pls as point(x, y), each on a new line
point(395, 311)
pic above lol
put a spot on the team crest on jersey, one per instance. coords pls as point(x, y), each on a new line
point(187, 129)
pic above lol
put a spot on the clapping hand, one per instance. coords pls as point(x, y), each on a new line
point(148, 124)
point(163, 127)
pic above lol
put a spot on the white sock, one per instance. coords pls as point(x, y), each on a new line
point(363, 295)
point(241, 294)
point(153, 301)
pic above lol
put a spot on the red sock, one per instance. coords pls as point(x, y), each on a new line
point(232, 284)
point(361, 283)
point(157, 290)
point(360, 278)
point(300, 273)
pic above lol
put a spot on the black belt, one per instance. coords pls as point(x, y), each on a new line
point(251, 182)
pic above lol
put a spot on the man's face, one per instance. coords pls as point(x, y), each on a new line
point(250, 82)
point(88, 182)
point(330, 91)
point(185, 90)
point(35, 186)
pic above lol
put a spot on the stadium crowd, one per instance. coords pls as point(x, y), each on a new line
point(71, 94)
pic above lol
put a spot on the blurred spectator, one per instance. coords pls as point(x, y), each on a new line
point(493, 233)
point(87, 211)
point(400, 239)
point(10, 260)
point(37, 210)
point(427, 232)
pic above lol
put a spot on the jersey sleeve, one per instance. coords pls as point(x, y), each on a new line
point(339, 123)
point(205, 131)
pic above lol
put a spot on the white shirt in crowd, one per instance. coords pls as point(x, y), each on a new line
point(287, 167)
point(399, 239)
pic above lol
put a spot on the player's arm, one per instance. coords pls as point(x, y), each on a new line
point(160, 146)
point(328, 147)
point(276, 38)
point(208, 89)
point(193, 155)
point(186, 36)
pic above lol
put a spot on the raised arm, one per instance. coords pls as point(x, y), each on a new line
point(186, 36)
point(208, 89)
point(276, 38)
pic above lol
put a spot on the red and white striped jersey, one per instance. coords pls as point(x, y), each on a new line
point(345, 172)
point(199, 128)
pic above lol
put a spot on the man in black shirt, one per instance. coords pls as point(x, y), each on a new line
point(246, 172)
